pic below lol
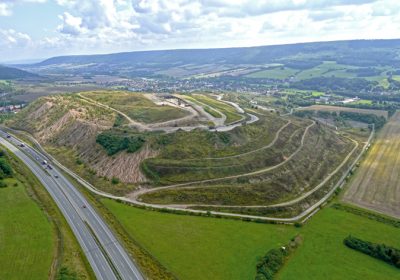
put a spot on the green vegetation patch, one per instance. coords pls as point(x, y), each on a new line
point(113, 142)
point(273, 261)
point(278, 73)
point(324, 256)
point(27, 240)
point(379, 251)
point(200, 247)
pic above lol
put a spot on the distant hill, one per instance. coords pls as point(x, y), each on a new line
point(10, 73)
point(185, 62)
point(365, 52)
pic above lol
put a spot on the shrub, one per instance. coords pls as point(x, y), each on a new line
point(114, 180)
point(270, 264)
point(114, 143)
point(5, 168)
point(66, 274)
point(3, 184)
point(380, 251)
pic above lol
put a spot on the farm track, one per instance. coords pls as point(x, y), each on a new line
point(377, 183)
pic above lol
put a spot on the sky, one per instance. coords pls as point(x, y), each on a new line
point(36, 29)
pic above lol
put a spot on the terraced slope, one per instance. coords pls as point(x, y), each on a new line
point(304, 157)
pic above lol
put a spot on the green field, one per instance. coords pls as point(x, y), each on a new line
point(324, 255)
point(209, 248)
point(199, 247)
point(136, 106)
point(26, 236)
point(279, 73)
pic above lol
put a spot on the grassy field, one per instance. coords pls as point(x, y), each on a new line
point(325, 69)
point(230, 112)
point(209, 248)
point(198, 247)
point(344, 109)
point(376, 185)
point(279, 73)
point(26, 236)
point(324, 256)
point(136, 106)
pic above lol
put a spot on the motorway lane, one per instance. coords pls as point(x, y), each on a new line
point(81, 216)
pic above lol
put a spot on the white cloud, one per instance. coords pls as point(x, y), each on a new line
point(71, 25)
point(10, 38)
point(94, 26)
point(5, 9)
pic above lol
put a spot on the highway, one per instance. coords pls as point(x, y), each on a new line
point(107, 257)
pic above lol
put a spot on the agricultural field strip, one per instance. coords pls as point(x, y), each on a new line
point(368, 192)
point(293, 201)
point(133, 200)
point(143, 191)
point(253, 151)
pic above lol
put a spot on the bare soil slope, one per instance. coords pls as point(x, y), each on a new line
point(68, 121)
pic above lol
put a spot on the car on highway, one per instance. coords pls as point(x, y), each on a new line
point(49, 167)
point(56, 176)
point(22, 145)
point(8, 136)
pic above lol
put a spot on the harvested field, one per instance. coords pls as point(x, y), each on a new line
point(328, 108)
point(377, 183)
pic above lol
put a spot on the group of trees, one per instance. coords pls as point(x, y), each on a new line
point(365, 118)
point(335, 84)
point(270, 264)
point(380, 251)
point(5, 169)
point(360, 117)
point(113, 142)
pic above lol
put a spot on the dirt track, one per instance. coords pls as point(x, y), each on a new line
point(377, 182)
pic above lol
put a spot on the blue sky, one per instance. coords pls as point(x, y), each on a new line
point(32, 29)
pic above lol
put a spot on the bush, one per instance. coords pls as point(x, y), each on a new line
point(114, 181)
point(270, 264)
point(5, 168)
point(380, 251)
point(66, 274)
point(3, 184)
point(366, 118)
point(114, 143)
